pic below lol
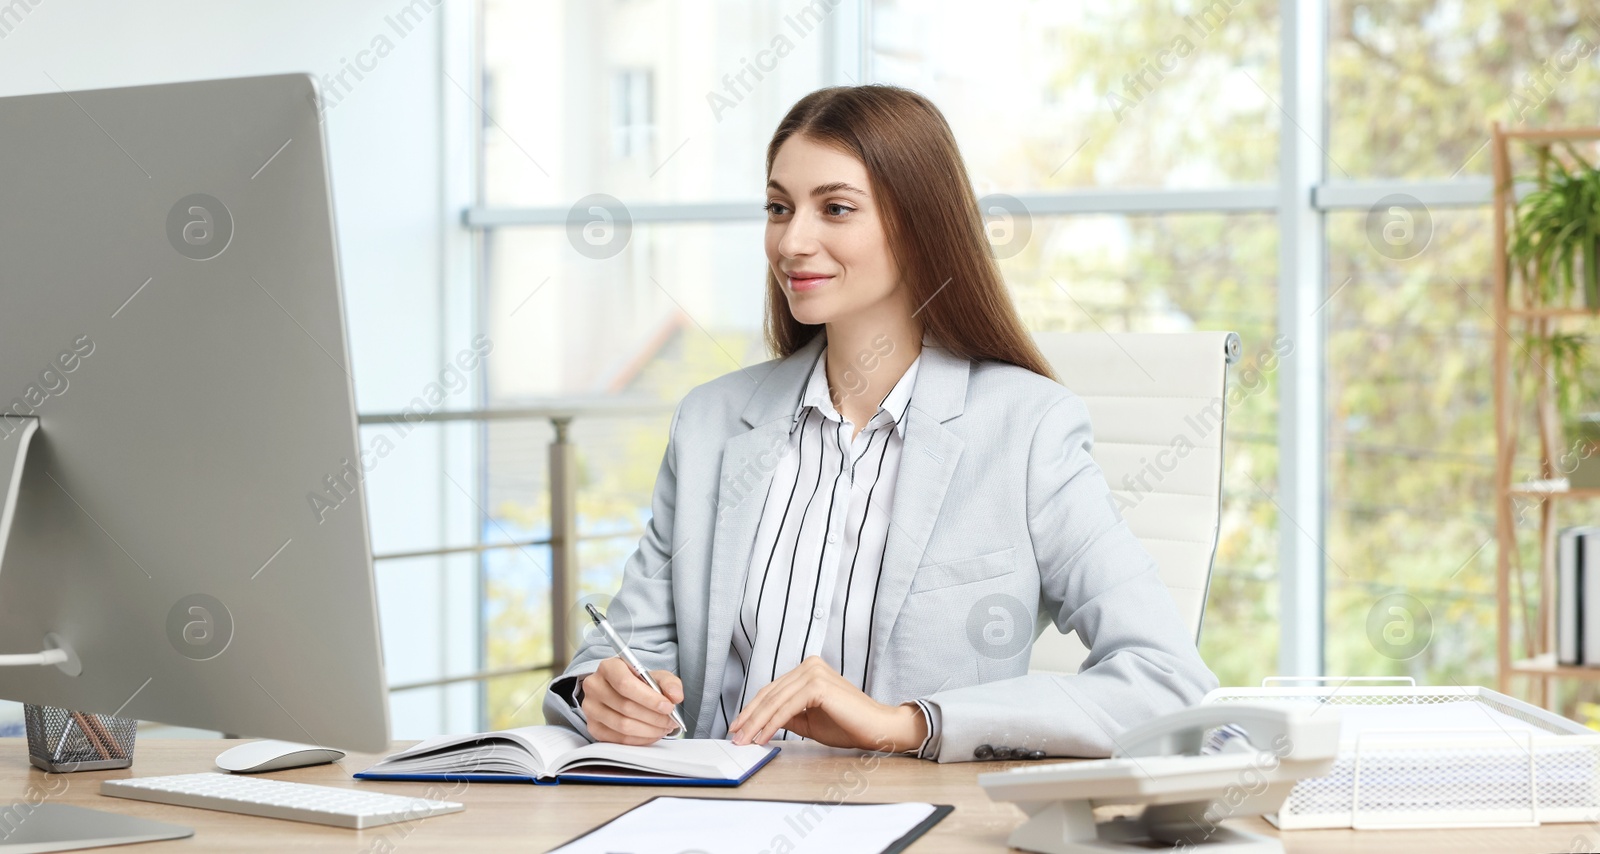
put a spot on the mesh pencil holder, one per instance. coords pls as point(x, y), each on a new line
point(61, 741)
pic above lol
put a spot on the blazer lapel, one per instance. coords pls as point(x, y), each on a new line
point(927, 461)
point(748, 462)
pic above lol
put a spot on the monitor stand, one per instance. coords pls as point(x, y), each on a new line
point(15, 434)
point(59, 827)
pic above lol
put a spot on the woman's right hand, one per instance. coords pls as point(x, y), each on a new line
point(620, 707)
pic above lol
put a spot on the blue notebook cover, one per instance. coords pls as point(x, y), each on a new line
point(572, 778)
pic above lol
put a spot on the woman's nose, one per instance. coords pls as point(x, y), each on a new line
point(797, 238)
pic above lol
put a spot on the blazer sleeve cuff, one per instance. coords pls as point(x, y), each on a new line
point(929, 749)
point(562, 703)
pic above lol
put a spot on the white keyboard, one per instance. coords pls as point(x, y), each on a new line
point(268, 798)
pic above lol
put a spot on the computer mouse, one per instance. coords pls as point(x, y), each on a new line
point(268, 755)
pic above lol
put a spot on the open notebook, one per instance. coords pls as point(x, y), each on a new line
point(547, 755)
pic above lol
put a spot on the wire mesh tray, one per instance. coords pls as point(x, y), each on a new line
point(62, 741)
point(1491, 761)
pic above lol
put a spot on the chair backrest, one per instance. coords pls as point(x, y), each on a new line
point(1157, 404)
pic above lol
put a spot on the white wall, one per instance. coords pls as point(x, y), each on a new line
point(400, 160)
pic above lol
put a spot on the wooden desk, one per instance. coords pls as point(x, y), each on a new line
point(510, 817)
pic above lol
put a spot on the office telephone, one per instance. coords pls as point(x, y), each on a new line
point(1186, 790)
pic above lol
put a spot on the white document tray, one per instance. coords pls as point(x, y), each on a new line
point(1537, 767)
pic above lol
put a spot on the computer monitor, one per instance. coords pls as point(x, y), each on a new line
point(189, 518)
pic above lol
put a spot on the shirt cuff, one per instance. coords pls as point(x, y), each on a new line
point(929, 749)
point(570, 690)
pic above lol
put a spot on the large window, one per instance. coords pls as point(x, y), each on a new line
point(1047, 95)
point(572, 85)
point(1412, 88)
point(1175, 273)
point(1411, 449)
point(1413, 84)
point(1159, 153)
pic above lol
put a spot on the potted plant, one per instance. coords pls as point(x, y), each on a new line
point(1555, 240)
point(1554, 247)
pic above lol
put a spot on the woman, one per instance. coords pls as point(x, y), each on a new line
point(852, 543)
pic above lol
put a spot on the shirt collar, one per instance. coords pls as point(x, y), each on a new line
point(891, 410)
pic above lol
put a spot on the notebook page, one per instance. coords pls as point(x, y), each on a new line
point(547, 743)
point(714, 758)
point(738, 826)
point(485, 752)
point(1464, 714)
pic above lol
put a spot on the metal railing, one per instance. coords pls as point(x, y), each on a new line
point(563, 492)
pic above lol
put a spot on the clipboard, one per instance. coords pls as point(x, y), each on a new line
point(894, 847)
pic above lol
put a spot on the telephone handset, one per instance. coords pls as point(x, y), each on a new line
point(1267, 727)
point(1187, 794)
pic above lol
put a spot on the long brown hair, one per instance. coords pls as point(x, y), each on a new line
point(931, 219)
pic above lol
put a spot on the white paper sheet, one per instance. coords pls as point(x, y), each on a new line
point(739, 826)
point(1455, 715)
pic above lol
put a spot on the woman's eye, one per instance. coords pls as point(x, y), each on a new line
point(838, 210)
point(775, 208)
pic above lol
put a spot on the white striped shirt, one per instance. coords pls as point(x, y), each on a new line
point(813, 576)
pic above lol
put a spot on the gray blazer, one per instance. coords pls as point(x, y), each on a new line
point(1000, 520)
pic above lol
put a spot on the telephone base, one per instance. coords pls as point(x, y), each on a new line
point(1068, 827)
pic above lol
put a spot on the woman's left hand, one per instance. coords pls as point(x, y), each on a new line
point(815, 702)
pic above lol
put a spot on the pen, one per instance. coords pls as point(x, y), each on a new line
point(627, 655)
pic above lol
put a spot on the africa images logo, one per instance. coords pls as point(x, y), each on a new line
point(199, 226)
point(199, 627)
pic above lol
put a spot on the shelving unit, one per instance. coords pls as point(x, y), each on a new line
point(1537, 660)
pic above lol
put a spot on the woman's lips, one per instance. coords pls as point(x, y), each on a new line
point(809, 283)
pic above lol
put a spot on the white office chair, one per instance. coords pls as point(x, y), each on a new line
point(1157, 404)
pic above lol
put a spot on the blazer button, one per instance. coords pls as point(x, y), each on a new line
point(1002, 752)
point(983, 751)
point(1036, 754)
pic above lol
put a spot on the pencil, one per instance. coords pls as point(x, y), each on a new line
point(89, 731)
point(114, 747)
